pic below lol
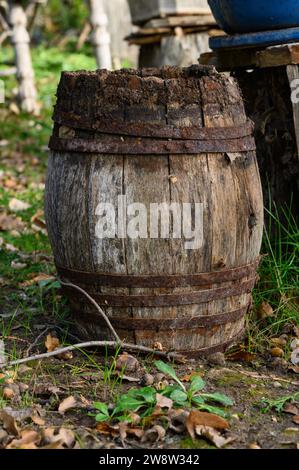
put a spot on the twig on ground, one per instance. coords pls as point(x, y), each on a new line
point(89, 344)
point(267, 377)
point(93, 344)
point(36, 341)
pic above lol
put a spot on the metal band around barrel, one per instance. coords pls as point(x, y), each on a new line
point(212, 349)
point(160, 280)
point(142, 146)
point(156, 131)
point(168, 300)
point(165, 324)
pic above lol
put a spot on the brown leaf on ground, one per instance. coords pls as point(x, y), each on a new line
point(202, 418)
point(127, 362)
point(38, 420)
point(15, 205)
point(265, 311)
point(51, 343)
point(107, 430)
point(158, 346)
point(213, 436)
point(254, 445)
point(37, 222)
point(67, 404)
point(28, 440)
point(10, 222)
point(294, 369)
point(35, 280)
point(8, 393)
point(155, 434)
point(296, 419)
point(177, 420)
point(279, 341)
point(242, 356)
point(291, 409)
point(67, 437)
point(188, 377)
point(9, 423)
point(295, 357)
point(163, 402)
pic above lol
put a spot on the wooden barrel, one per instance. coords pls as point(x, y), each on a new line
point(167, 140)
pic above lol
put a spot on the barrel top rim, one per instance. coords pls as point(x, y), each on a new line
point(194, 71)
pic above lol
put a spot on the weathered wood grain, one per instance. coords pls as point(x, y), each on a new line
point(227, 185)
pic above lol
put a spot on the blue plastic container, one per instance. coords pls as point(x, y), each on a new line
point(246, 16)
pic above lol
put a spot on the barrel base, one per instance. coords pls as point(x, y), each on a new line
point(92, 332)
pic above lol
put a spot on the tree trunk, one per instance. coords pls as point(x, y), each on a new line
point(100, 35)
point(25, 73)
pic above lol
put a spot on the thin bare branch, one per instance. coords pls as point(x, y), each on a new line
point(94, 344)
point(101, 311)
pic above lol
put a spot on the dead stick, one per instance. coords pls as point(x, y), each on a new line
point(99, 309)
point(93, 344)
point(36, 341)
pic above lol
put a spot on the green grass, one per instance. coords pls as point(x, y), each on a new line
point(279, 276)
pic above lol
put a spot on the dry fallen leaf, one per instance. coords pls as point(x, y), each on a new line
point(28, 440)
point(67, 404)
point(37, 222)
point(254, 445)
point(295, 357)
point(8, 393)
point(38, 420)
point(278, 341)
point(243, 356)
point(155, 434)
point(202, 418)
point(127, 362)
point(9, 423)
point(35, 280)
point(51, 343)
point(66, 436)
point(107, 430)
point(265, 311)
point(17, 265)
point(15, 205)
point(294, 369)
point(158, 346)
point(291, 409)
point(9, 222)
point(212, 435)
point(296, 419)
point(163, 402)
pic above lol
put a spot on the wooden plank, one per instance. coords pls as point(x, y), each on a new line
point(174, 21)
point(231, 59)
point(276, 56)
point(293, 74)
point(153, 36)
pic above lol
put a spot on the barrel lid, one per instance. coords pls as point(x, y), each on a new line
point(105, 112)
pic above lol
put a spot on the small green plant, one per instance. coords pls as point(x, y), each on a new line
point(279, 403)
point(144, 400)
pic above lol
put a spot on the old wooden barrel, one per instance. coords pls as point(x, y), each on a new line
point(154, 205)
